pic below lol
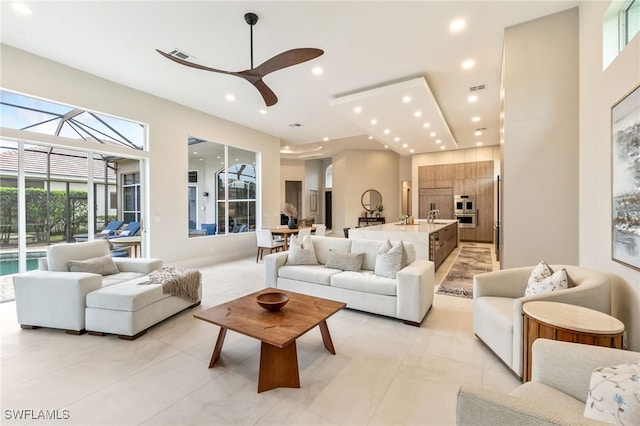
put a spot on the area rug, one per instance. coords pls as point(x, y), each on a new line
point(470, 261)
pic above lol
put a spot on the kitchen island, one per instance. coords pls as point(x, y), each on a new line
point(432, 241)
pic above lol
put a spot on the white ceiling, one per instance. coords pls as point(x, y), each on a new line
point(367, 44)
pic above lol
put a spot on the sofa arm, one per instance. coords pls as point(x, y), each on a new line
point(53, 299)
point(568, 366)
point(137, 265)
point(504, 283)
point(273, 262)
point(415, 290)
point(476, 406)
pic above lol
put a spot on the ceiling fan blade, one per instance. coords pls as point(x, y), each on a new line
point(191, 64)
point(285, 59)
point(269, 97)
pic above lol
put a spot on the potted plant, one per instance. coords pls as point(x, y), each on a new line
point(291, 212)
point(380, 208)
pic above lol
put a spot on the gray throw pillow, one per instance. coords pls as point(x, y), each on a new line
point(301, 256)
point(389, 262)
point(103, 265)
point(344, 261)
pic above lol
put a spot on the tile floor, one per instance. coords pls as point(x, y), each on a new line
point(384, 372)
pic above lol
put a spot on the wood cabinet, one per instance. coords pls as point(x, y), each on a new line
point(442, 243)
point(436, 198)
point(474, 179)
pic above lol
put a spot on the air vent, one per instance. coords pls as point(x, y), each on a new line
point(193, 176)
point(476, 88)
point(179, 54)
point(295, 125)
point(480, 129)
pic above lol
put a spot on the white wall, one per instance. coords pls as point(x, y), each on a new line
point(540, 85)
point(169, 126)
point(599, 91)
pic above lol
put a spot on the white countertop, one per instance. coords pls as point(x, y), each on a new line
point(419, 226)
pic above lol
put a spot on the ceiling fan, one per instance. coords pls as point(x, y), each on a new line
point(255, 75)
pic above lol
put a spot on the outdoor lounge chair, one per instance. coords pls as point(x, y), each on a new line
point(130, 230)
point(210, 228)
point(109, 230)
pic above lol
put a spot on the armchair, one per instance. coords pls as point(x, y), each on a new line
point(498, 298)
point(557, 394)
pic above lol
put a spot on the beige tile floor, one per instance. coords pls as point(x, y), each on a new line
point(384, 372)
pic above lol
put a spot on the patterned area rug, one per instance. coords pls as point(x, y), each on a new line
point(470, 261)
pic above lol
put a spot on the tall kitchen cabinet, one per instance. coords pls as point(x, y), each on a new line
point(437, 184)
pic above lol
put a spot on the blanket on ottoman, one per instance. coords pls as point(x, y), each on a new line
point(177, 282)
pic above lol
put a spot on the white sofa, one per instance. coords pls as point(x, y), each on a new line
point(498, 298)
point(556, 395)
point(82, 301)
point(408, 297)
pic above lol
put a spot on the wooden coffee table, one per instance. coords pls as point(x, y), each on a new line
point(277, 331)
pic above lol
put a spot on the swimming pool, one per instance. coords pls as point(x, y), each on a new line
point(9, 261)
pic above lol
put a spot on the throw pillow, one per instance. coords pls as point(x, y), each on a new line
point(103, 265)
point(105, 232)
point(557, 281)
point(389, 261)
point(124, 233)
point(299, 255)
point(344, 261)
point(614, 394)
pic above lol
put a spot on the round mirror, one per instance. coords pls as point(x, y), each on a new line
point(371, 200)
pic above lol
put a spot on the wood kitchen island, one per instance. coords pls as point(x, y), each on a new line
point(432, 241)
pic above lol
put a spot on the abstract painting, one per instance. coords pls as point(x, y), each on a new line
point(625, 180)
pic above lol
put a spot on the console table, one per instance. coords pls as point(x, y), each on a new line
point(371, 221)
point(567, 323)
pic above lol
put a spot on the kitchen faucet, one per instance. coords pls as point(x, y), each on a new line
point(431, 216)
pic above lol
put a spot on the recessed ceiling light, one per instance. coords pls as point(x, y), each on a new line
point(202, 159)
point(417, 114)
point(374, 122)
point(230, 97)
point(263, 111)
point(286, 147)
point(475, 119)
point(406, 99)
point(478, 132)
point(412, 151)
point(386, 147)
point(457, 25)
point(472, 98)
point(317, 70)
point(404, 145)
point(325, 139)
point(432, 134)
point(468, 64)
point(195, 152)
point(426, 125)
point(479, 143)
point(442, 147)
point(319, 146)
point(387, 131)
point(397, 139)
point(21, 8)
point(357, 110)
point(438, 141)
point(370, 137)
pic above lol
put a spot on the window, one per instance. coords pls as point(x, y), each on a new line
point(328, 177)
point(131, 197)
point(226, 193)
point(620, 24)
point(629, 22)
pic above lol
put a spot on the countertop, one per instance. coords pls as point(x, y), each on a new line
point(420, 226)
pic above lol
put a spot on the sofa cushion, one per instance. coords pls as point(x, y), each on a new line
point(370, 249)
point(120, 278)
point(127, 296)
point(103, 265)
point(493, 322)
point(344, 261)
point(59, 255)
point(547, 396)
point(389, 261)
point(366, 282)
point(322, 245)
point(317, 274)
point(614, 394)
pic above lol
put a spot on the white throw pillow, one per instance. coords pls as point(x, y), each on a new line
point(124, 233)
point(614, 394)
point(302, 252)
point(344, 261)
point(389, 261)
point(103, 265)
point(559, 280)
point(105, 232)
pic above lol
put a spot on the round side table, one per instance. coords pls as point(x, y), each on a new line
point(568, 323)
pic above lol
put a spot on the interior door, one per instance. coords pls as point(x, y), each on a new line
point(327, 209)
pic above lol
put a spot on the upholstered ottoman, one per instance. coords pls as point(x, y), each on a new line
point(130, 308)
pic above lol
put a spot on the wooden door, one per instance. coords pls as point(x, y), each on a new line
point(436, 198)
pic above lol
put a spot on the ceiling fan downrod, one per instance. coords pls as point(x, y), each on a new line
point(251, 19)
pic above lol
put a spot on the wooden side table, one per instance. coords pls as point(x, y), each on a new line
point(567, 323)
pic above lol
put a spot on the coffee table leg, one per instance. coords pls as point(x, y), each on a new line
point(278, 367)
point(326, 337)
point(218, 348)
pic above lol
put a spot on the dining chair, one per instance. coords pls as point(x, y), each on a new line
point(265, 241)
point(321, 230)
point(303, 232)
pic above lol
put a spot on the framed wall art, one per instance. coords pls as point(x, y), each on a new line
point(625, 180)
point(313, 200)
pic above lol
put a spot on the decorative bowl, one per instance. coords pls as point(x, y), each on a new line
point(272, 301)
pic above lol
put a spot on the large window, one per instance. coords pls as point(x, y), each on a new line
point(620, 24)
point(225, 179)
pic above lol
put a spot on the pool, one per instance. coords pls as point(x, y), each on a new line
point(9, 261)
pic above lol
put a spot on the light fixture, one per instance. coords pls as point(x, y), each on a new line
point(317, 70)
point(438, 141)
point(472, 98)
point(357, 110)
point(195, 152)
point(426, 125)
point(442, 147)
point(468, 64)
point(387, 131)
point(406, 99)
point(457, 25)
point(325, 139)
point(396, 139)
point(386, 147)
point(475, 119)
point(21, 8)
point(477, 132)
point(432, 134)
point(479, 143)
point(263, 111)
point(412, 151)
point(417, 114)
point(404, 145)
point(370, 137)
point(374, 122)
point(230, 97)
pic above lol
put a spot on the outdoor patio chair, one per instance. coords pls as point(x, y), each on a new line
point(109, 230)
point(211, 228)
point(130, 230)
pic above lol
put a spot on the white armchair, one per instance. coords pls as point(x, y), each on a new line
point(557, 394)
point(498, 298)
